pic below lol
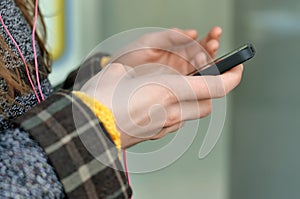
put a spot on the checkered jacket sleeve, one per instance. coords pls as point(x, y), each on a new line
point(77, 146)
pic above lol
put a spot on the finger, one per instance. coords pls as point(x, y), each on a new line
point(214, 33)
point(207, 87)
point(187, 110)
point(169, 38)
point(211, 41)
point(200, 60)
point(233, 77)
point(208, 45)
point(167, 130)
point(178, 88)
point(212, 47)
point(193, 34)
point(194, 51)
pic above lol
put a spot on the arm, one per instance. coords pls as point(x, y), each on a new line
point(70, 150)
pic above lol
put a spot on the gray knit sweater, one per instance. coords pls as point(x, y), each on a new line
point(24, 170)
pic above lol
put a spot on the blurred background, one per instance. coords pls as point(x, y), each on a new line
point(257, 155)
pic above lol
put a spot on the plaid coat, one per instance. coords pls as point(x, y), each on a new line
point(60, 133)
point(63, 126)
point(75, 142)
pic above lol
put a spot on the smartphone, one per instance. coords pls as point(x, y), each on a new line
point(226, 62)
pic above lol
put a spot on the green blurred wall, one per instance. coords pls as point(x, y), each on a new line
point(266, 112)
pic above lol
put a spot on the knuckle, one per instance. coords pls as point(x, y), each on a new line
point(156, 137)
point(116, 68)
point(172, 119)
point(168, 97)
point(159, 135)
point(207, 109)
point(219, 90)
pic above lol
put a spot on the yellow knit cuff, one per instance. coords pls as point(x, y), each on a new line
point(104, 61)
point(103, 114)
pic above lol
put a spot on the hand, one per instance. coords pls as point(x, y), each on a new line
point(174, 47)
point(150, 105)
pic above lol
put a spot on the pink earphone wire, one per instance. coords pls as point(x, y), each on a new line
point(34, 52)
point(126, 168)
point(22, 57)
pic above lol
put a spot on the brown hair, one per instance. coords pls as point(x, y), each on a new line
point(15, 80)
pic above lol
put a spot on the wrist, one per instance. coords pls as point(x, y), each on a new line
point(103, 114)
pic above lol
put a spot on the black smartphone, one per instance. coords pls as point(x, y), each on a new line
point(226, 62)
